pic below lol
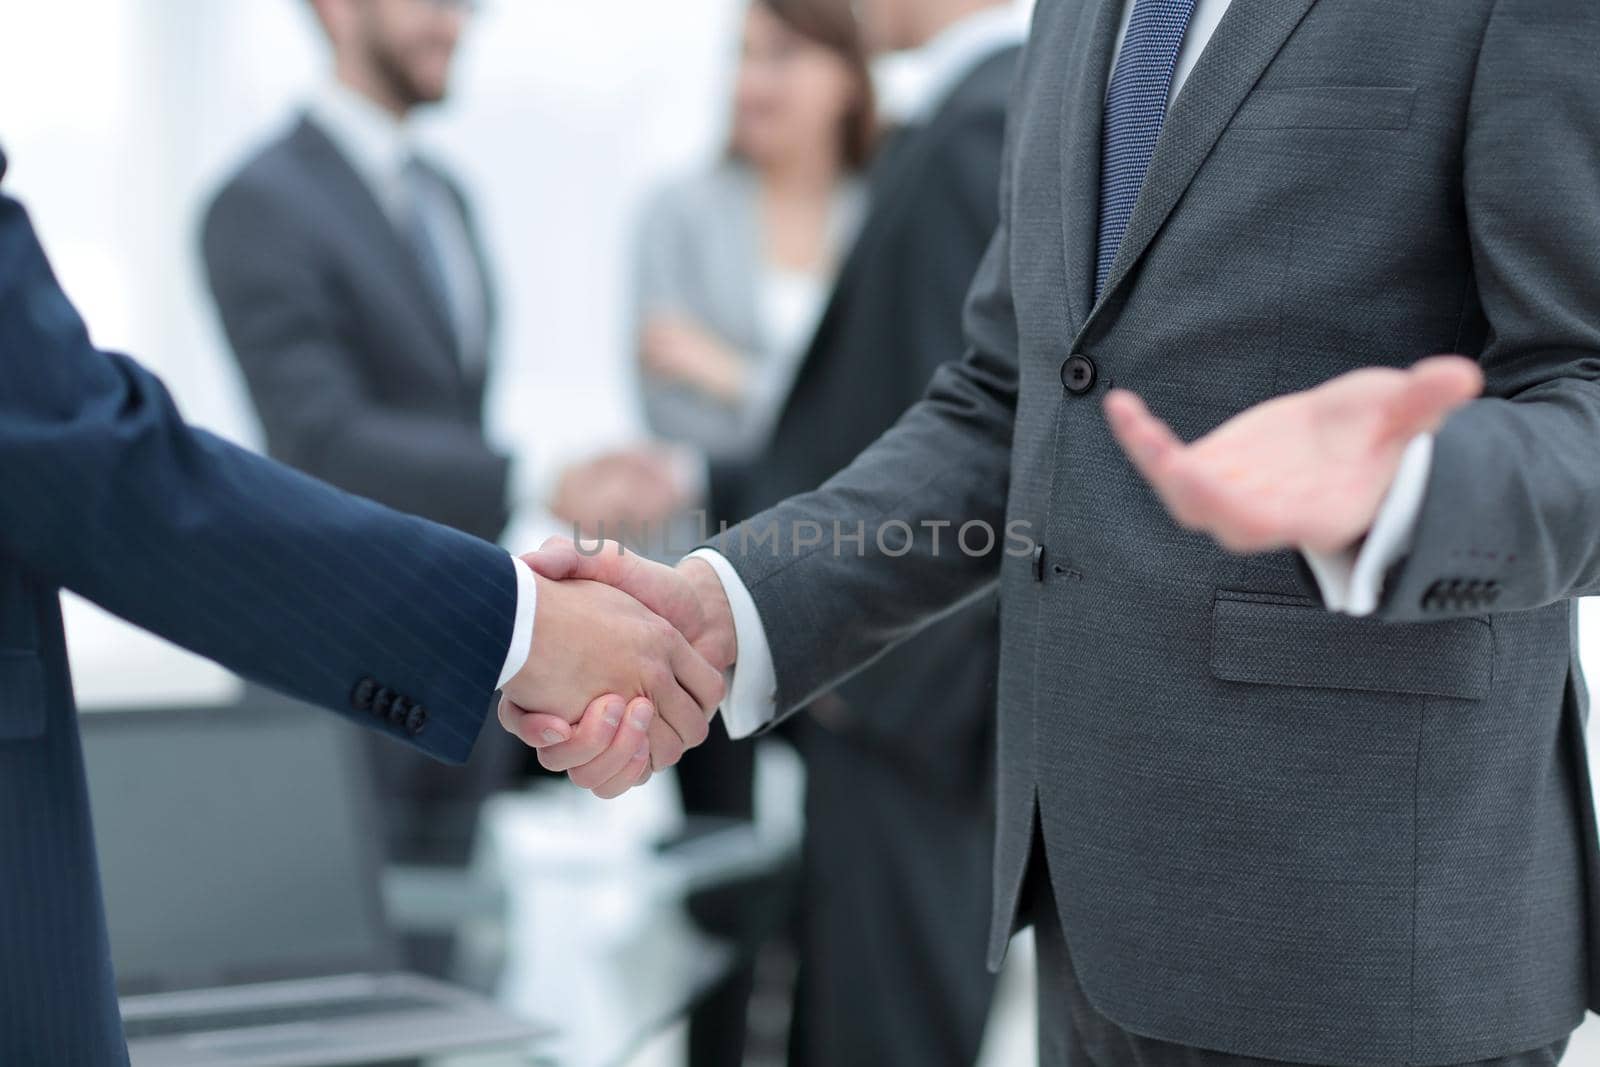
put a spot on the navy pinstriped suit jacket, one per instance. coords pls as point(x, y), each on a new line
point(104, 490)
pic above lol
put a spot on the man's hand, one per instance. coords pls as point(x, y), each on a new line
point(1307, 471)
point(628, 488)
point(689, 597)
point(613, 738)
point(589, 638)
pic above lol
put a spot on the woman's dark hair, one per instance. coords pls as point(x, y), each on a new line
point(833, 25)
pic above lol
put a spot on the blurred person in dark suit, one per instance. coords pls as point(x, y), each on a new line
point(354, 289)
point(899, 811)
point(734, 265)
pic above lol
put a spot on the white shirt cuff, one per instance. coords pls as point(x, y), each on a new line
point(1352, 581)
point(752, 701)
point(522, 630)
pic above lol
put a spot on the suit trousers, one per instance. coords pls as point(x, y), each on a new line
point(1072, 1033)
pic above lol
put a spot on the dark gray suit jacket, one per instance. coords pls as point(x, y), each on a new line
point(351, 363)
point(1272, 830)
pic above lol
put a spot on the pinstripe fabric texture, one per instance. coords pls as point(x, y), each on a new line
point(1272, 831)
point(1136, 107)
point(105, 491)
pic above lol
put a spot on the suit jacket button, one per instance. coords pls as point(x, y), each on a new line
point(381, 701)
point(365, 691)
point(1078, 374)
point(399, 710)
point(416, 719)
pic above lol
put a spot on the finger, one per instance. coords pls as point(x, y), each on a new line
point(533, 728)
point(1434, 388)
point(684, 715)
point(666, 747)
point(634, 773)
point(1148, 441)
point(510, 716)
point(556, 559)
point(630, 738)
point(1199, 500)
point(594, 734)
point(597, 561)
point(700, 679)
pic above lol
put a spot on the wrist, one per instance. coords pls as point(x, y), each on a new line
point(717, 641)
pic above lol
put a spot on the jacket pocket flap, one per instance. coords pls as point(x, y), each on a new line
point(1267, 640)
point(22, 693)
point(1328, 107)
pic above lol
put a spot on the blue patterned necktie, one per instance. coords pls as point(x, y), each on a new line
point(1136, 108)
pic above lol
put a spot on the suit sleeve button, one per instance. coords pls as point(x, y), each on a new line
point(416, 719)
point(361, 699)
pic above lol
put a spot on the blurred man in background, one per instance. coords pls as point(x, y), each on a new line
point(355, 291)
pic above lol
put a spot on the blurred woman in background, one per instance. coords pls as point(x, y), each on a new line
point(735, 266)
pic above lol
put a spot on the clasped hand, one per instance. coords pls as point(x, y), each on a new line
point(656, 640)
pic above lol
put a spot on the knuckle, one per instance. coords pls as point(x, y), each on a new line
point(663, 633)
point(660, 679)
point(667, 754)
point(699, 730)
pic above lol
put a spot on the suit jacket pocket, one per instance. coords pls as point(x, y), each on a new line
point(1265, 639)
point(22, 694)
point(1328, 107)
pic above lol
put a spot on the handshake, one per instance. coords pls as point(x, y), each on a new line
point(655, 641)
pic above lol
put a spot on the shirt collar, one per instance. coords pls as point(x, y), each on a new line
point(375, 143)
point(917, 83)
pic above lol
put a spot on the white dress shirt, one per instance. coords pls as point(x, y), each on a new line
point(378, 146)
point(1350, 582)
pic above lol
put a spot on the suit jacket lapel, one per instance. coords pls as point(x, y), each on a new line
point(1082, 117)
point(358, 204)
point(1250, 36)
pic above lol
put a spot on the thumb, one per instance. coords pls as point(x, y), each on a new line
point(1434, 389)
point(560, 558)
point(556, 559)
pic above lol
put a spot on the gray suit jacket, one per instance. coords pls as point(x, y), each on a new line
point(351, 362)
point(1272, 830)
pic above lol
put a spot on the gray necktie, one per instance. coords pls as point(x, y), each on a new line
point(429, 213)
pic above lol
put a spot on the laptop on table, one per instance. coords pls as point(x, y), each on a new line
point(239, 857)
